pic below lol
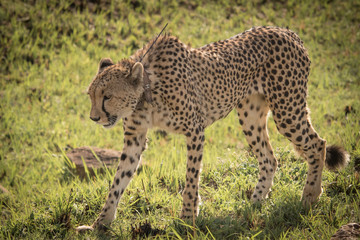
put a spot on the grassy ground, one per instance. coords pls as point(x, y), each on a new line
point(49, 54)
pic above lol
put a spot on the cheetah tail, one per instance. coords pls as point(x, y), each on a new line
point(336, 157)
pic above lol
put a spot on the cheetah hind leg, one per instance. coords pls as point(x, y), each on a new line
point(307, 142)
point(298, 129)
point(252, 113)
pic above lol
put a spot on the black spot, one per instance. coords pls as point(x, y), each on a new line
point(196, 173)
point(116, 193)
point(129, 174)
point(123, 157)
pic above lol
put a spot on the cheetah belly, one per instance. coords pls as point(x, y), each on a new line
point(216, 113)
point(165, 119)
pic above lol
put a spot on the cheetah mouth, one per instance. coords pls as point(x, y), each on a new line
point(111, 121)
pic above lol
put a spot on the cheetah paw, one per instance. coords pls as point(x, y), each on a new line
point(84, 228)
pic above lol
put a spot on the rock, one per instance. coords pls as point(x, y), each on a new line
point(107, 157)
point(349, 231)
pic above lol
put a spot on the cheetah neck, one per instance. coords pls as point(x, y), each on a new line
point(147, 87)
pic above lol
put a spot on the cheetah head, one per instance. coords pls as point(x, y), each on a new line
point(115, 91)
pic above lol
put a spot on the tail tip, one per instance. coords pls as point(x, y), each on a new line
point(336, 157)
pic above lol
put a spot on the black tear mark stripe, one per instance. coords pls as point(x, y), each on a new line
point(103, 108)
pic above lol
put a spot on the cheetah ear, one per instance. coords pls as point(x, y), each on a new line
point(104, 63)
point(137, 74)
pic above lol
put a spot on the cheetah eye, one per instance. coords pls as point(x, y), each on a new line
point(107, 97)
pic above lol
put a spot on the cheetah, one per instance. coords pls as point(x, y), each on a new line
point(180, 89)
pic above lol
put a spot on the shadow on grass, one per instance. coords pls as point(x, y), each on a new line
point(285, 216)
point(249, 222)
point(267, 221)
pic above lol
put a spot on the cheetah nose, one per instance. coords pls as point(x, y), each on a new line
point(95, 119)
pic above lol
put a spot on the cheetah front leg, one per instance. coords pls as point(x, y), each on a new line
point(134, 145)
point(191, 197)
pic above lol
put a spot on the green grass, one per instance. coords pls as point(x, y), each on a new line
point(49, 54)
